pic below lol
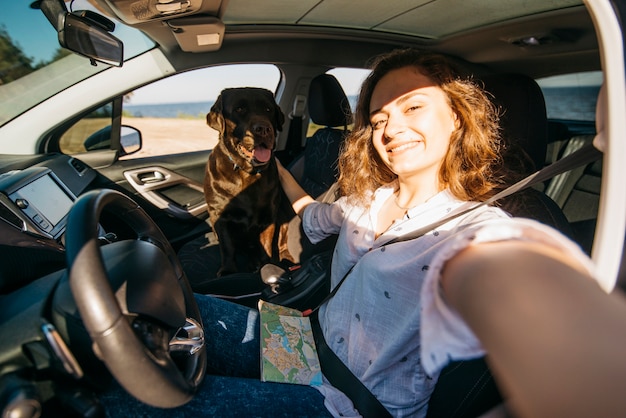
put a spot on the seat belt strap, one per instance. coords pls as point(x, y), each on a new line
point(585, 155)
point(337, 373)
point(343, 379)
point(294, 136)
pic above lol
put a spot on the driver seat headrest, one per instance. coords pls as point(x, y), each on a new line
point(523, 117)
point(328, 103)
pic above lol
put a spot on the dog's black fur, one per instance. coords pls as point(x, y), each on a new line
point(241, 186)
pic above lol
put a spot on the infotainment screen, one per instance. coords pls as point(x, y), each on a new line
point(47, 197)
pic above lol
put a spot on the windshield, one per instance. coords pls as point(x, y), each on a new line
point(33, 66)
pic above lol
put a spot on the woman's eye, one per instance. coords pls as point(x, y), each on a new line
point(376, 124)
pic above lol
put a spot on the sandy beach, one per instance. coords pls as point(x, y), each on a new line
point(160, 136)
point(163, 136)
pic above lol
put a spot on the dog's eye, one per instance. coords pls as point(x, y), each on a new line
point(240, 109)
point(268, 110)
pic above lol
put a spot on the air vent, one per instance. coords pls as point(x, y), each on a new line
point(8, 216)
point(78, 165)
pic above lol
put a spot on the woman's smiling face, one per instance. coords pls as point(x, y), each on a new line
point(412, 122)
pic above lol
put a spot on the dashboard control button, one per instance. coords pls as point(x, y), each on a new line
point(21, 203)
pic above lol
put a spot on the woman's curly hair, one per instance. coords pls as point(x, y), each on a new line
point(471, 166)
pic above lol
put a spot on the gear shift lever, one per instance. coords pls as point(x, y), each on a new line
point(274, 276)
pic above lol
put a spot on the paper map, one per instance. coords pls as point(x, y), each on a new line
point(288, 353)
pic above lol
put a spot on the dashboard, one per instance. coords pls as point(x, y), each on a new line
point(37, 199)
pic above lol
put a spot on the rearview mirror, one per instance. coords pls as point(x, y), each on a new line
point(79, 34)
point(84, 32)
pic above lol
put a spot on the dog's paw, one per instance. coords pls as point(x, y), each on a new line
point(225, 271)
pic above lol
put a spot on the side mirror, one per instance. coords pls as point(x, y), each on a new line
point(130, 140)
point(79, 34)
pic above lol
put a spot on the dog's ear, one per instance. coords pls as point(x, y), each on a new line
point(280, 118)
point(214, 118)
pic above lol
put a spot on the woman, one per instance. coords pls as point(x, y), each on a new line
point(425, 144)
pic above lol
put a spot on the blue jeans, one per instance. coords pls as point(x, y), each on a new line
point(232, 386)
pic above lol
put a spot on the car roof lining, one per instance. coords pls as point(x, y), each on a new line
point(430, 19)
point(488, 36)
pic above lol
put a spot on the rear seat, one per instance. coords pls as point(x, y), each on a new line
point(560, 187)
point(577, 193)
point(558, 135)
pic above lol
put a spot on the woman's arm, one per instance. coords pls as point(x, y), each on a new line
point(555, 340)
point(297, 196)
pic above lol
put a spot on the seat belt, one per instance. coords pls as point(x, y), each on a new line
point(343, 379)
point(337, 373)
point(294, 136)
point(583, 156)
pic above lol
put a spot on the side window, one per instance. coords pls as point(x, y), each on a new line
point(171, 113)
point(350, 80)
point(572, 97)
point(90, 133)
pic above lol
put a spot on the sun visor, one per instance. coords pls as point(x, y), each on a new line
point(198, 33)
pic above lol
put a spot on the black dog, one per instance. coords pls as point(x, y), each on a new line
point(241, 186)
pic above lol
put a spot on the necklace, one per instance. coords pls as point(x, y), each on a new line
point(395, 201)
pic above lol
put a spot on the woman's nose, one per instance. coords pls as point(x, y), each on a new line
point(393, 127)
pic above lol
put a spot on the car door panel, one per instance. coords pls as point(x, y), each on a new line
point(179, 196)
point(168, 187)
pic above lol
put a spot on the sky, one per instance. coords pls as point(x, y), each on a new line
point(205, 84)
point(19, 20)
point(30, 30)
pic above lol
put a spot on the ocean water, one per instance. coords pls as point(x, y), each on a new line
point(561, 103)
point(180, 110)
point(577, 103)
point(170, 110)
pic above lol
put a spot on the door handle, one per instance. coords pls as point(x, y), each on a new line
point(150, 181)
point(151, 177)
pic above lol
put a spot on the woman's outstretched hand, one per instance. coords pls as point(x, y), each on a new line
point(298, 198)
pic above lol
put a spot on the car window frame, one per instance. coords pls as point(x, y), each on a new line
point(202, 131)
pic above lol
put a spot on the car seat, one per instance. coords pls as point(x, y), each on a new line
point(577, 192)
point(466, 388)
point(315, 168)
point(524, 129)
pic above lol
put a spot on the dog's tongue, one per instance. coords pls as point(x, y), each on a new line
point(262, 154)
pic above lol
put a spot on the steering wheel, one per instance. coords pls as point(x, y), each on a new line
point(135, 302)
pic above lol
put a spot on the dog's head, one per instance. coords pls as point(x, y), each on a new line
point(248, 120)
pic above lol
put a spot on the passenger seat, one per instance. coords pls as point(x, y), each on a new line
point(315, 168)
